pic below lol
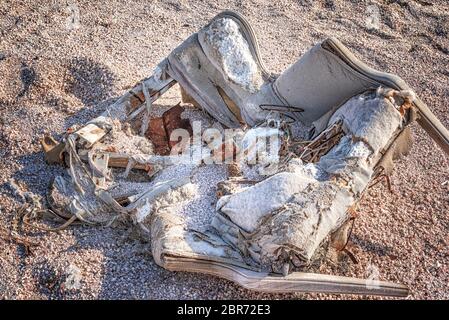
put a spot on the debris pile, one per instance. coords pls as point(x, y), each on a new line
point(254, 196)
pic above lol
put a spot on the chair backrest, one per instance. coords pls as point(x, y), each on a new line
point(319, 82)
point(329, 74)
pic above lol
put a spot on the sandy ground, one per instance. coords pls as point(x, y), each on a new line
point(57, 70)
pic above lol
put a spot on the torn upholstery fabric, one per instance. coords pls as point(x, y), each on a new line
point(308, 201)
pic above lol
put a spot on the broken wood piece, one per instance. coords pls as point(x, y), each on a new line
point(122, 162)
point(294, 282)
point(135, 98)
point(129, 102)
point(146, 116)
point(53, 150)
point(90, 134)
point(340, 237)
point(117, 160)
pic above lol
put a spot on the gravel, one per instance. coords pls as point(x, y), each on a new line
point(195, 202)
point(58, 71)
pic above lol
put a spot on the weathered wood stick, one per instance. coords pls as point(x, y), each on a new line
point(294, 282)
point(434, 128)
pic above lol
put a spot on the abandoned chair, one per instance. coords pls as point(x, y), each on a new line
point(261, 235)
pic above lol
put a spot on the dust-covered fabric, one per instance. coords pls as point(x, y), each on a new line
point(283, 219)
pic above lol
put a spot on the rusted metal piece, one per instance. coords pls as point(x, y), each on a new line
point(160, 129)
point(382, 175)
point(157, 134)
point(172, 121)
point(322, 143)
